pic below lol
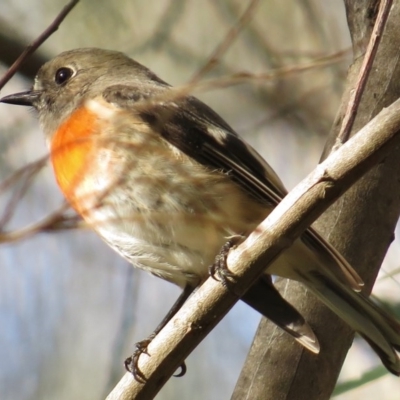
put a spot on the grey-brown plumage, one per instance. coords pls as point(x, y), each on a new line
point(176, 182)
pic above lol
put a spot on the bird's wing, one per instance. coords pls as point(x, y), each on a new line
point(199, 132)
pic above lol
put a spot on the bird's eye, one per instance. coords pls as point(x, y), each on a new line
point(63, 75)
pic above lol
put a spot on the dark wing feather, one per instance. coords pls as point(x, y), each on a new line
point(219, 146)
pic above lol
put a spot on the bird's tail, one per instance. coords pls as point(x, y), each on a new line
point(377, 327)
point(339, 288)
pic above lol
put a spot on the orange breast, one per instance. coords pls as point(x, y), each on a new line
point(71, 150)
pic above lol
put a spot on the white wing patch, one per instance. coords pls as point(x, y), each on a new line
point(219, 134)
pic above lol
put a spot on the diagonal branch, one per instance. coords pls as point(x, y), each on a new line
point(31, 48)
point(227, 42)
point(292, 216)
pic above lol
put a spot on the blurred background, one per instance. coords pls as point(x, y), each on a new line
point(70, 309)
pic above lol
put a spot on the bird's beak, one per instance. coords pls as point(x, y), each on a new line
point(22, 99)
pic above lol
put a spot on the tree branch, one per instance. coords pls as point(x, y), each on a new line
point(289, 219)
point(31, 48)
point(352, 106)
point(11, 48)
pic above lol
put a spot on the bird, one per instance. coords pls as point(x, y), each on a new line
point(167, 183)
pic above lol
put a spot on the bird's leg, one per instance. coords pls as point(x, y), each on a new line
point(132, 362)
point(219, 269)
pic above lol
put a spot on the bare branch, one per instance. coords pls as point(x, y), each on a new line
point(26, 174)
point(226, 42)
point(361, 82)
point(53, 27)
point(178, 92)
point(288, 220)
point(12, 46)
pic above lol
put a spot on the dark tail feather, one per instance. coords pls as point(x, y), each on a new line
point(377, 327)
point(264, 298)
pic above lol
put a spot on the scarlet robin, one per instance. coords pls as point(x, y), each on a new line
point(166, 185)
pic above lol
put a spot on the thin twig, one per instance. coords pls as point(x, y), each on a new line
point(226, 42)
point(55, 221)
point(178, 92)
point(19, 174)
point(28, 176)
point(53, 27)
point(355, 97)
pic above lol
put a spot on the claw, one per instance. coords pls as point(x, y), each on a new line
point(219, 269)
point(182, 371)
point(132, 362)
